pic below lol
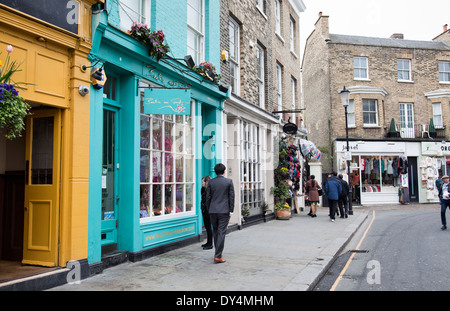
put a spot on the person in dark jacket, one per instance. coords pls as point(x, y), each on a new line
point(333, 188)
point(205, 214)
point(220, 204)
point(343, 197)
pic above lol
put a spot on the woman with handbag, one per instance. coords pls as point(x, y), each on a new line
point(312, 189)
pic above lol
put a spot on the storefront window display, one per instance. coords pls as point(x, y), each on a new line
point(380, 173)
point(166, 165)
point(251, 180)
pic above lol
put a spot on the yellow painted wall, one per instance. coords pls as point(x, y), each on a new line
point(51, 61)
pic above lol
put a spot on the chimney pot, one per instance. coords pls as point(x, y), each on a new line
point(320, 14)
point(445, 27)
point(397, 36)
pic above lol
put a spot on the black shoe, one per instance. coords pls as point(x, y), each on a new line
point(207, 247)
point(346, 215)
point(444, 227)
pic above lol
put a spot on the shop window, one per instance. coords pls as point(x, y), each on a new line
point(166, 165)
point(380, 173)
point(251, 179)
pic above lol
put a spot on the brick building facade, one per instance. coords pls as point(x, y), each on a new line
point(258, 37)
point(390, 80)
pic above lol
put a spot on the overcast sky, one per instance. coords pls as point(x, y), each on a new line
point(417, 20)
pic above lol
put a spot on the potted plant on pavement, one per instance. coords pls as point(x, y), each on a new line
point(283, 211)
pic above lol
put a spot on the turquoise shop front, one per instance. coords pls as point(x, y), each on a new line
point(154, 128)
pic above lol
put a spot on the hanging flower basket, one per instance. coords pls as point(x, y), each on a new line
point(13, 108)
point(207, 71)
point(154, 40)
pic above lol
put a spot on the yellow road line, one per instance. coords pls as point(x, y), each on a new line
point(353, 255)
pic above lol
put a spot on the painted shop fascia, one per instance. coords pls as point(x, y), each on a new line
point(136, 225)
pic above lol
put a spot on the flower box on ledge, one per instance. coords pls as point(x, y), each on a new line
point(154, 40)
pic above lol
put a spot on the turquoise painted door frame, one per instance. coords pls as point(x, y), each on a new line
point(110, 178)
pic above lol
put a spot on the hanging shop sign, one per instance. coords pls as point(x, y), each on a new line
point(290, 128)
point(167, 101)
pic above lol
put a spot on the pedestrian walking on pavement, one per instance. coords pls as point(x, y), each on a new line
point(444, 199)
point(205, 214)
point(220, 204)
point(343, 197)
point(312, 190)
point(333, 188)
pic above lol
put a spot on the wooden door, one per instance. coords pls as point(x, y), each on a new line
point(42, 188)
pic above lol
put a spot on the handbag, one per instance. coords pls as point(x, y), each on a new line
point(320, 191)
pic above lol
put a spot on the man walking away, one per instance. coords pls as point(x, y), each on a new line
point(333, 188)
point(444, 199)
point(220, 203)
point(343, 197)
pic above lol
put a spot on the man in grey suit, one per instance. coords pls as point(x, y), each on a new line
point(220, 203)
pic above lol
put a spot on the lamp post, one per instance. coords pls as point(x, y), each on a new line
point(345, 98)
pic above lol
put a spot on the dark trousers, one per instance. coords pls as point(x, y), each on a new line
point(444, 205)
point(207, 222)
point(343, 205)
point(333, 207)
point(220, 225)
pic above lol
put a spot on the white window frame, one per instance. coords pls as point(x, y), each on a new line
point(358, 68)
point(278, 17)
point(198, 33)
point(371, 112)
point(293, 95)
point(404, 67)
point(235, 74)
point(187, 153)
point(292, 24)
point(444, 72)
point(279, 86)
point(407, 120)
point(351, 113)
point(261, 76)
point(260, 5)
point(437, 115)
point(251, 178)
point(133, 11)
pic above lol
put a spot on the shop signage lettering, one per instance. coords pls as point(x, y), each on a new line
point(352, 147)
point(164, 235)
point(167, 101)
point(435, 148)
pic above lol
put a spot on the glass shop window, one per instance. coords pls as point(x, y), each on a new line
point(380, 173)
point(166, 164)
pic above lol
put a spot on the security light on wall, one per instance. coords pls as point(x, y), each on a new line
point(189, 61)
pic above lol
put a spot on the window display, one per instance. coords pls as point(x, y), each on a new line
point(251, 180)
point(381, 173)
point(166, 164)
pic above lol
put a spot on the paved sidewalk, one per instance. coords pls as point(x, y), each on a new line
point(277, 255)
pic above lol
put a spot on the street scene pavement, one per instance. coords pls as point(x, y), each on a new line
point(277, 255)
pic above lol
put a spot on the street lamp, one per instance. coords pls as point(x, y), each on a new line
point(345, 98)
